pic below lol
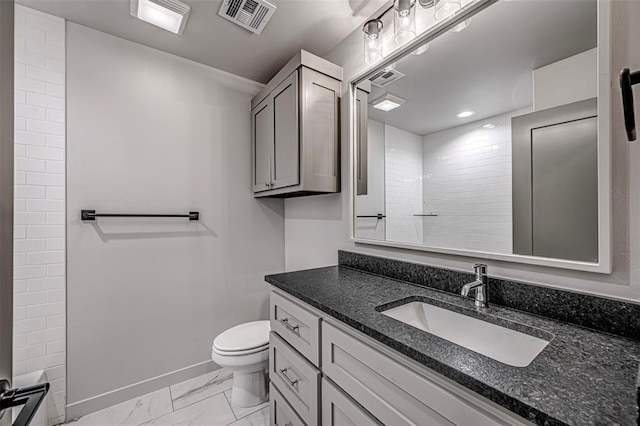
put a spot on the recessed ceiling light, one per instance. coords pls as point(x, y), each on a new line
point(387, 102)
point(465, 114)
point(489, 126)
point(170, 15)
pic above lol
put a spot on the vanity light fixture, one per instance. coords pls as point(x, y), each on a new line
point(387, 102)
point(489, 126)
point(404, 21)
point(465, 114)
point(372, 41)
point(426, 3)
point(446, 8)
point(170, 15)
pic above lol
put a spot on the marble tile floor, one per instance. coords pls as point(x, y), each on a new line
point(201, 401)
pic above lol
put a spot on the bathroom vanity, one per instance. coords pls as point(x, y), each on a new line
point(348, 347)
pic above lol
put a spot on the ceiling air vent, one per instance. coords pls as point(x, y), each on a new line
point(384, 78)
point(252, 15)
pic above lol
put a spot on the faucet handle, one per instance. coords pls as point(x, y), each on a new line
point(480, 268)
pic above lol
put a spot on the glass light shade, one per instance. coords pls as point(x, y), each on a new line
point(461, 26)
point(372, 41)
point(420, 50)
point(162, 17)
point(404, 21)
point(446, 8)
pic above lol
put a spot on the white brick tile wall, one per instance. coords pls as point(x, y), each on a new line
point(403, 185)
point(39, 284)
point(467, 182)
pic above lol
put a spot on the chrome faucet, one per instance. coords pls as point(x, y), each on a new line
point(479, 285)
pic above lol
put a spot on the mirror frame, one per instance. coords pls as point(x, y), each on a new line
point(604, 264)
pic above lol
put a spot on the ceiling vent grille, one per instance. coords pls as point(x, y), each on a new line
point(384, 78)
point(252, 15)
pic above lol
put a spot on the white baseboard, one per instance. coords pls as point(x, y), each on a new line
point(107, 399)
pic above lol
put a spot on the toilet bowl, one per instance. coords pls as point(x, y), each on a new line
point(244, 350)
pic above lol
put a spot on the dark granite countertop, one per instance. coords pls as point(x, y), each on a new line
point(582, 377)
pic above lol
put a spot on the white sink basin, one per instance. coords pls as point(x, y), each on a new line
point(502, 344)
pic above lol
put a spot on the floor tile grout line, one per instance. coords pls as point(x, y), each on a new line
point(203, 399)
point(230, 406)
point(173, 410)
point(255, 407)
point(233, 413)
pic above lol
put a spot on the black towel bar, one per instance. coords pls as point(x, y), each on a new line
point(627, 80)
point(91, 215)
point(377, 216)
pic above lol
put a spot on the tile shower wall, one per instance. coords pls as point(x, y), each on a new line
point(403, 185)
point(39, 241)
point(467, 183)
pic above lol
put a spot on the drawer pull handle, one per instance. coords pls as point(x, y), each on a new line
point(292, 383)
point(286, 323)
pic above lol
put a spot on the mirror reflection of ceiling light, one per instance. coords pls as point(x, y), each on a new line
point(489, 126)
point(372, 41)
point(170, 15)
point(387, 102)
point(420, 50)
point(461, 26)
point(465, 114)
point(446, 8)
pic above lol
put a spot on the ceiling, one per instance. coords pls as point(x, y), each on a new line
point(314, 25)
point(488, 66)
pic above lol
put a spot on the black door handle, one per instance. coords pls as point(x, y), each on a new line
point(627, 80)
point(31, 397)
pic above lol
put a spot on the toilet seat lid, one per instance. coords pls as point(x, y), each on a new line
point(243, 337)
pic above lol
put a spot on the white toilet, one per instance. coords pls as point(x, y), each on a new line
point(244, 350)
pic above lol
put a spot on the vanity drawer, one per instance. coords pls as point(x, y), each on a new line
point(340, 410)
point(299, 327)
point(282, 414)
point(296, 379)
point(396, 394)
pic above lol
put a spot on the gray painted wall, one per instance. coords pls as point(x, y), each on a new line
point(151, 132)
point(316, 227)
point(6, 194)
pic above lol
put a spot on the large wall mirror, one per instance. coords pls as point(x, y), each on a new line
point(494, 141)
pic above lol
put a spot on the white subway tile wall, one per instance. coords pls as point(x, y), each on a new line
point(467, 183)
point(39, 241)
point(403, 185)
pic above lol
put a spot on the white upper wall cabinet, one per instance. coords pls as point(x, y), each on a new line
point(295, 130)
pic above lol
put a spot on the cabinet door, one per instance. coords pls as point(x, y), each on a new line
point(262, 129)
point(281, 413)
point(320, 131)
point(286, 159)
point(339, 410)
